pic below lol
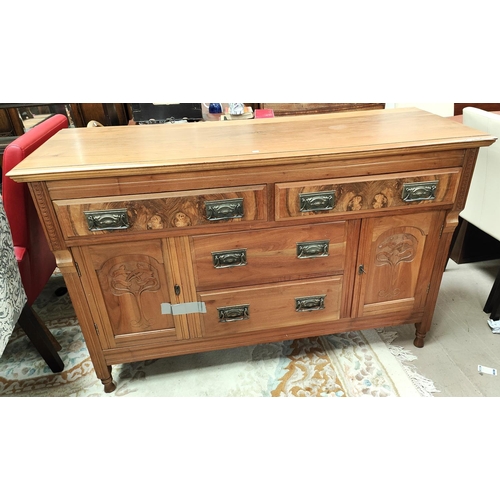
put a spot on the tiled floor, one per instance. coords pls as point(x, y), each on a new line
point(460, 338)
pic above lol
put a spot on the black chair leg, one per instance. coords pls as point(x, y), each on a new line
point(42, 339)
point(493, 302)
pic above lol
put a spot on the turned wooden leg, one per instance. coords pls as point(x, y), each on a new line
point(84, 315)
point(109, 384)
point(420, 334)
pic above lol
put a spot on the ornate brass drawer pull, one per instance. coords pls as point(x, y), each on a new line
point(313, 303)
point(315, 202)
point(224, 209)
point(312, 249)
point(233, 313)
point(107, 220)
point(230, 258)
point(418, 191)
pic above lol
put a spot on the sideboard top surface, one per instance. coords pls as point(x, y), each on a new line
point(149, 149)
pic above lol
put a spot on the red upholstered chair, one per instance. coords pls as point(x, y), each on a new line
point(36, 261)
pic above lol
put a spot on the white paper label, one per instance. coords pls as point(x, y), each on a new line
point(485, 369)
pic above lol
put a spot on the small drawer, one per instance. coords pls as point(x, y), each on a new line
point(334, 196)
point(251, 257)
point(259, 308)
point(160, 211)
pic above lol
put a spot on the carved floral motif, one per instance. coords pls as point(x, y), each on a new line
point(155, 222)
point(134, 278)
point(379, 201)
point(181, 220)
point(395, 249)
point(356, 203)
point(392, 251)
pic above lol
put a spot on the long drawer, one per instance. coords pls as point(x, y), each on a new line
point(252, 257)
point(258, 308)
point(333, 196)
point(160, 211)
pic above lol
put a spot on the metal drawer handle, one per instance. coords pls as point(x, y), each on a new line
point(313, 303)
point(315, 202)
point(107, 220)
point(418, 191)
point(312, 249)
point(230, 258)
point(233, 313)
point(224, 209)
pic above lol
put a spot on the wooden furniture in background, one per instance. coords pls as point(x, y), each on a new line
point(187, 238)
point(17, 118)
point(286, 109)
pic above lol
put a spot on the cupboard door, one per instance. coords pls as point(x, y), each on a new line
point(395, 262)
point(129, 282)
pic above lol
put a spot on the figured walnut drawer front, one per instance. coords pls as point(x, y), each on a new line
point(281, 305)
point(333, 196)
point(251, 257)
point(83, 217)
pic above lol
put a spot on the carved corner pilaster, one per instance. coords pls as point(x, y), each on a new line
point(467, 171)
point(45, 210)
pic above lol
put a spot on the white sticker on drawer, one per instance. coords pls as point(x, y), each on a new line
point(185, 308)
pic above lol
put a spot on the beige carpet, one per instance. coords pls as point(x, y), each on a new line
point(352, 364)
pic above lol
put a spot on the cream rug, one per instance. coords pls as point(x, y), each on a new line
point(352, 364)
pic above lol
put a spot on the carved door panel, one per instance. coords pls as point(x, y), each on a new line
point(395, 262)
point(130, 285)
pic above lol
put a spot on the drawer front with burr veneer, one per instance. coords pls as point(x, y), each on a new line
point(333, 197)
point(161, 211)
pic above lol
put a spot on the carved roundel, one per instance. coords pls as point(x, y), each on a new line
point(395, 249)
point(133, 277)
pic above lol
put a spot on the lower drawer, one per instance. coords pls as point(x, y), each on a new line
point(258, 308)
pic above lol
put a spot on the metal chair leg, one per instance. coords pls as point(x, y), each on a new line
point(492, 305)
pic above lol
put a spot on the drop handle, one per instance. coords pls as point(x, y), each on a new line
point(361, 270)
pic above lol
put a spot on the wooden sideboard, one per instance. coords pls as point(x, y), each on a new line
point(175, 239)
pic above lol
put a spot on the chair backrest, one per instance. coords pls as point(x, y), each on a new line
point(482, 208)
point(36, 261)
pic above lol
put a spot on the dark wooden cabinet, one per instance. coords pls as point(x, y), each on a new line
point(303, 108)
